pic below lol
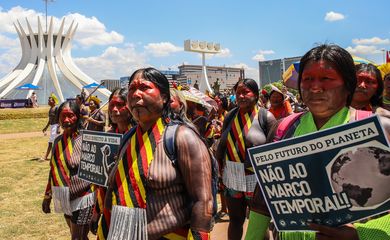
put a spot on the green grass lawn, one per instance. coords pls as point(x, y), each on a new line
point(22, 184)
point(23, 181)
point(22, 125)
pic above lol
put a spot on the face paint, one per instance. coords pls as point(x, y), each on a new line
point(323, 89)
point(366, 87)
point(175, 104)
point(145, 100)
point(68, 120)
point(246, 99)
point(117, 109)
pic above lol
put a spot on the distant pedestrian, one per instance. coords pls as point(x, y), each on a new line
point(34, 100)
point(52, 122)
point(97, 119)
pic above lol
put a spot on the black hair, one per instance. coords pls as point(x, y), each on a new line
point(224, 100)
point(376, 99)
point(156, 77)
point(75, 109)
point(249, 83)
point(339, 58)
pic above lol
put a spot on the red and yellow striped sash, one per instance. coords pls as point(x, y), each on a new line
point(209, 130)
point(130, 178)
point(240, 126)
point(62, 153)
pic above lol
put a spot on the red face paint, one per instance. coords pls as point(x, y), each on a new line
point(175, 104)
point(320, 74)
point(117, 104)
point(145, 100)
point(366, 87)
point(68, 120)
point(323, 89)
point(117, 109)
point(246, 99)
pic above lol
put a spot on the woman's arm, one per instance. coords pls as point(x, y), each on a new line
point(195, 166)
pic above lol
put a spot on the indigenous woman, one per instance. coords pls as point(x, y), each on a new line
point(279, 106)
point(241, 129)
point(120, 121)
point(154, 198)
point(97, 119)
point(71, 195)
point(327, 81)
point(386, 92)
point(178, 106)
point(369, 88)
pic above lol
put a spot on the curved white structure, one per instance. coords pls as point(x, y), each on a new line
point(46, 61)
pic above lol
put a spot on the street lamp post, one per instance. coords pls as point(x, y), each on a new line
point(384, 55)
point(203, 48)
point(46, 2)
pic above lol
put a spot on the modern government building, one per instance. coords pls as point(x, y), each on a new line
point(190, 74)
point(272, 70)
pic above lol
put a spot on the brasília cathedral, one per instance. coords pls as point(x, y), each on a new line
point(47, 62)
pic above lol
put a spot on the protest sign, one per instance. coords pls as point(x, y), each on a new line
point(98, 150)
point(331, 177)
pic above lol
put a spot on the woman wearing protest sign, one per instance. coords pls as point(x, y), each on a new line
point(327, 81)
point(71, 195)
point(159, 198)
point(120, 121)
point(243, 127)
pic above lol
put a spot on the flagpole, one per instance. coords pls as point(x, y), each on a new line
point(96, 88)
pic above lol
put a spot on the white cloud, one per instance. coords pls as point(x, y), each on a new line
point(6, 42)
point(225, 53)
point(90, 30)
point(260, 56)
point(162, 49)
point(368, 41)
point(9, 60)
point(250, 72)
point(16, 13)
point(333, 16)
point(363, 50)
point(113, 63)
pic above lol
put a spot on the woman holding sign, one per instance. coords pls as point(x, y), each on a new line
point(120, 121)
point(72, 196)
point(154, 197)
point(244, 126)
point(327, 81)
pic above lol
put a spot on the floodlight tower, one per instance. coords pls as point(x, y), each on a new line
point(203, 48)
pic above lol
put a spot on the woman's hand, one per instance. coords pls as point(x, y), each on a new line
point(345, 232)
point(46, 204)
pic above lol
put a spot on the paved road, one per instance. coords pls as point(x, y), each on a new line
point(220, 229)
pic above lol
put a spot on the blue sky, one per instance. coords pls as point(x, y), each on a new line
point(116, 37)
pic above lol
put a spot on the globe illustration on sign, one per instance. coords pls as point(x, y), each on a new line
point(363, 174)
